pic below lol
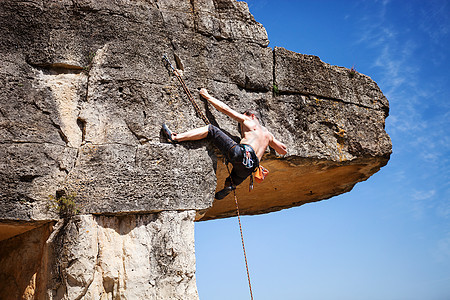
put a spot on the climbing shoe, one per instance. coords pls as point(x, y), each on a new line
point(224, 192)
point(168, 133)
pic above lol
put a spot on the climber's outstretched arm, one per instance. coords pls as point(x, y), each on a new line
point(278, 146)
point(222, 107)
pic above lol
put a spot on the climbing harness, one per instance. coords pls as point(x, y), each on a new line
point(248, 161)
point(203, 117)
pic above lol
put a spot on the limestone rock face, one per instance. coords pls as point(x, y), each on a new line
point(131, 257)
point(22, 263)
point(147, 256)
point(83, 94)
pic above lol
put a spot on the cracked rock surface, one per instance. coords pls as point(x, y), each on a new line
point(104, 257)
point(83, 94)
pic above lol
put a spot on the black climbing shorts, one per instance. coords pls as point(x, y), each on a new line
point(241, 156)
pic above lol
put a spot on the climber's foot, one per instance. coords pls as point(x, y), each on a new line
point(169, 135)
point(224, 192)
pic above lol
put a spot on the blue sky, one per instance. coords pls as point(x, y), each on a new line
point(389, 238)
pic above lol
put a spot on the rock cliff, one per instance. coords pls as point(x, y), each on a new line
point(83, 95)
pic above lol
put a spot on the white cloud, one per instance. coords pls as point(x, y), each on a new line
point(421, 203)
point(398, 73)
point(435, 20)
point(423, 195)
point(443, 209)
point(396, 61)
point(431, 157)
point(430, 204)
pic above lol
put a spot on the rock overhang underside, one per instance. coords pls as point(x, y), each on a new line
point(84, 94)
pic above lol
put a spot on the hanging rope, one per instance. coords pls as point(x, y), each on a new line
point(242, 237)
point(203, 117)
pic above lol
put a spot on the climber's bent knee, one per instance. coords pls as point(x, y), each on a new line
point(221, 140)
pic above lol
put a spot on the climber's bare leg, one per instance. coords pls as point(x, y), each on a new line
point(191, 135)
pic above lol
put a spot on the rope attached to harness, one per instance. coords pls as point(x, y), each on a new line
point(242, 235)
point(248, 161)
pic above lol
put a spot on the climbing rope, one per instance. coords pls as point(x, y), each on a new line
point(186, 90)
point(242, 236)
point(203, 117)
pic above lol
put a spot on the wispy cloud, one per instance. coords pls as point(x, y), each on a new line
point(398, 52)
point(393, 60)
point(444, 209)
point(430, 204)
point(255, 5)
point(423, 195)
point(442, 249)
point(396, 63)
point(421, 203)
point(435, 20)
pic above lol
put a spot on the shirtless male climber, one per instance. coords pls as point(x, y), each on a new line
point(244, 156)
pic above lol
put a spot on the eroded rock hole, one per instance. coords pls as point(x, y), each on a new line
point(82, 125)
point(28, 178)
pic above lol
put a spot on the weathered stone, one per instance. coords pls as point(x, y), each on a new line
point(84, 83)
point(99, 257)
point(29, 173)
point(22, 263)
point(129, 257)
point(308, 75)
point(138, 179)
